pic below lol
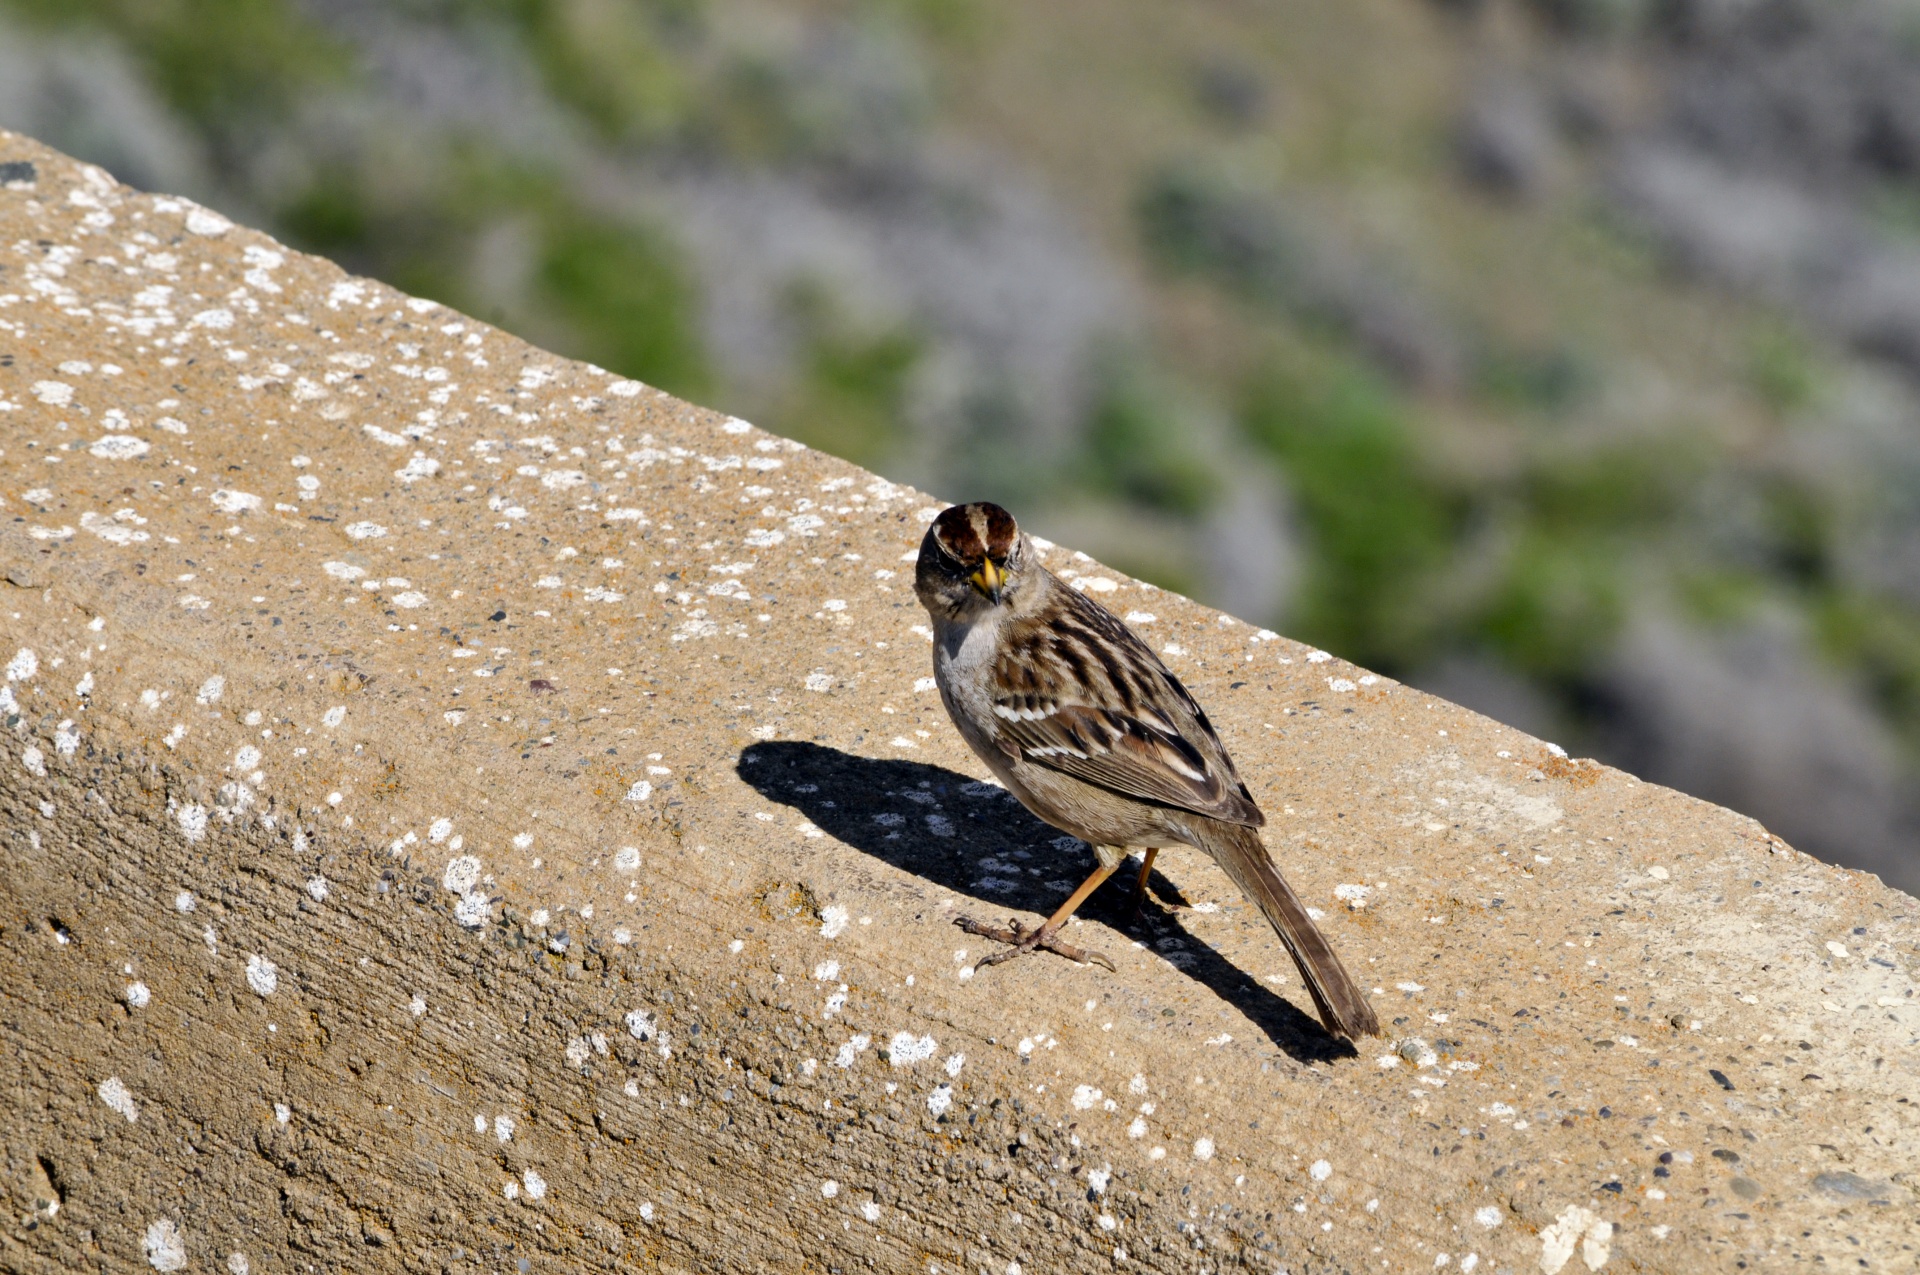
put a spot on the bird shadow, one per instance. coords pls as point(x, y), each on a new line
point(975, 839)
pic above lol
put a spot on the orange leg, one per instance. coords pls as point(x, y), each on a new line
point(1140, 885)
point(1022, 940)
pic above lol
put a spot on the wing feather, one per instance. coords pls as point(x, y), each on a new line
point(1096, 703)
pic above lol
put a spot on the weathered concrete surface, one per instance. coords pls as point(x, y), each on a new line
point(466, 812)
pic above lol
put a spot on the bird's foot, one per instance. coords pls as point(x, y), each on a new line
point(1021, 941)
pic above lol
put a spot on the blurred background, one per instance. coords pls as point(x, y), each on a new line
point(1561, 357)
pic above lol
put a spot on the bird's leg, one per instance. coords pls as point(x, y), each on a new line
point(1022, 940)
point(1140, 886)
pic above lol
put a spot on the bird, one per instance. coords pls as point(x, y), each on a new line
point(1083, 723)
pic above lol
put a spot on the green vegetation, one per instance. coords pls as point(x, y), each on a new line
point(221, 63)
point(852, 400)
point(1139, 445)
point(618, 63)
point(1381, 527)
point(625, 297)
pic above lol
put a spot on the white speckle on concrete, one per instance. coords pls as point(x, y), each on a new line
point(626, 858)
point(138, 995)
point(113, 1092)
point(1576, 1227)
point(1098, 1179)
point(826, 971)
point(472, 911)
point(1487, 1216)
point(851, 1050)
point(503, 1128)
point(418, 1005)
point(1320, 1171)
point(23, 665)
point(211, 690)
point(438, 830)
point(262, 977)
point(833, 921)
point(317, 889)
point(829, 1189)
point(34, 760)
point(955, 1063)
point(640, 791)
point(870, 1211)
point(184, 901)
point(536, 1185)
point(646, 1212)
point(237, 1263)
point(1084, 1097)
point(192, 821)
point(234, 502)
point(940, 1101)
point(166, 1248)
point(365, 531)
point(641, 1024)
point(905, 1049)
point(1658, 873)
point(333, 716)
point(206, 222)
point(462, 874)
point(1138, 1129)
point(282, 1112)
point(1203, 1149)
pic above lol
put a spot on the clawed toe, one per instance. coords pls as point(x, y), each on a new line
point(1021, 941)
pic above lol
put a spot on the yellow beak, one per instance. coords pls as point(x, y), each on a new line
point(989, 580)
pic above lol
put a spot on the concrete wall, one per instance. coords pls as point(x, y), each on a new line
point(469, 812)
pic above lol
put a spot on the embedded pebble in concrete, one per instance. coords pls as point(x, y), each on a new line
point(513, 792)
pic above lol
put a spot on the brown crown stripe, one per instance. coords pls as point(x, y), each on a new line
point(1001, 532)
point(955, 531)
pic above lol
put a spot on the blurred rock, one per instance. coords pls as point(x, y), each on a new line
point(1751, 718)
point(1486, 687)
point(1765, 233)
point(1506, 141)
point(1230, 93)
point(1247, 545)
point(969, 252)
point(85, 96)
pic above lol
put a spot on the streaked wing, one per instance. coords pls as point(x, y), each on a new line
point(1084, 696)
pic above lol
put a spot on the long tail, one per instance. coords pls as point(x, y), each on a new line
point(1342, 1004)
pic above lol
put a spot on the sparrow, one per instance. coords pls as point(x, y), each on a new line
point(1081, 721)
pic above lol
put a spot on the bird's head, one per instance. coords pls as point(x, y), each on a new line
point(974, 558)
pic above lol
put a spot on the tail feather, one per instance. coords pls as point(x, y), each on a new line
point(1342, 1004)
